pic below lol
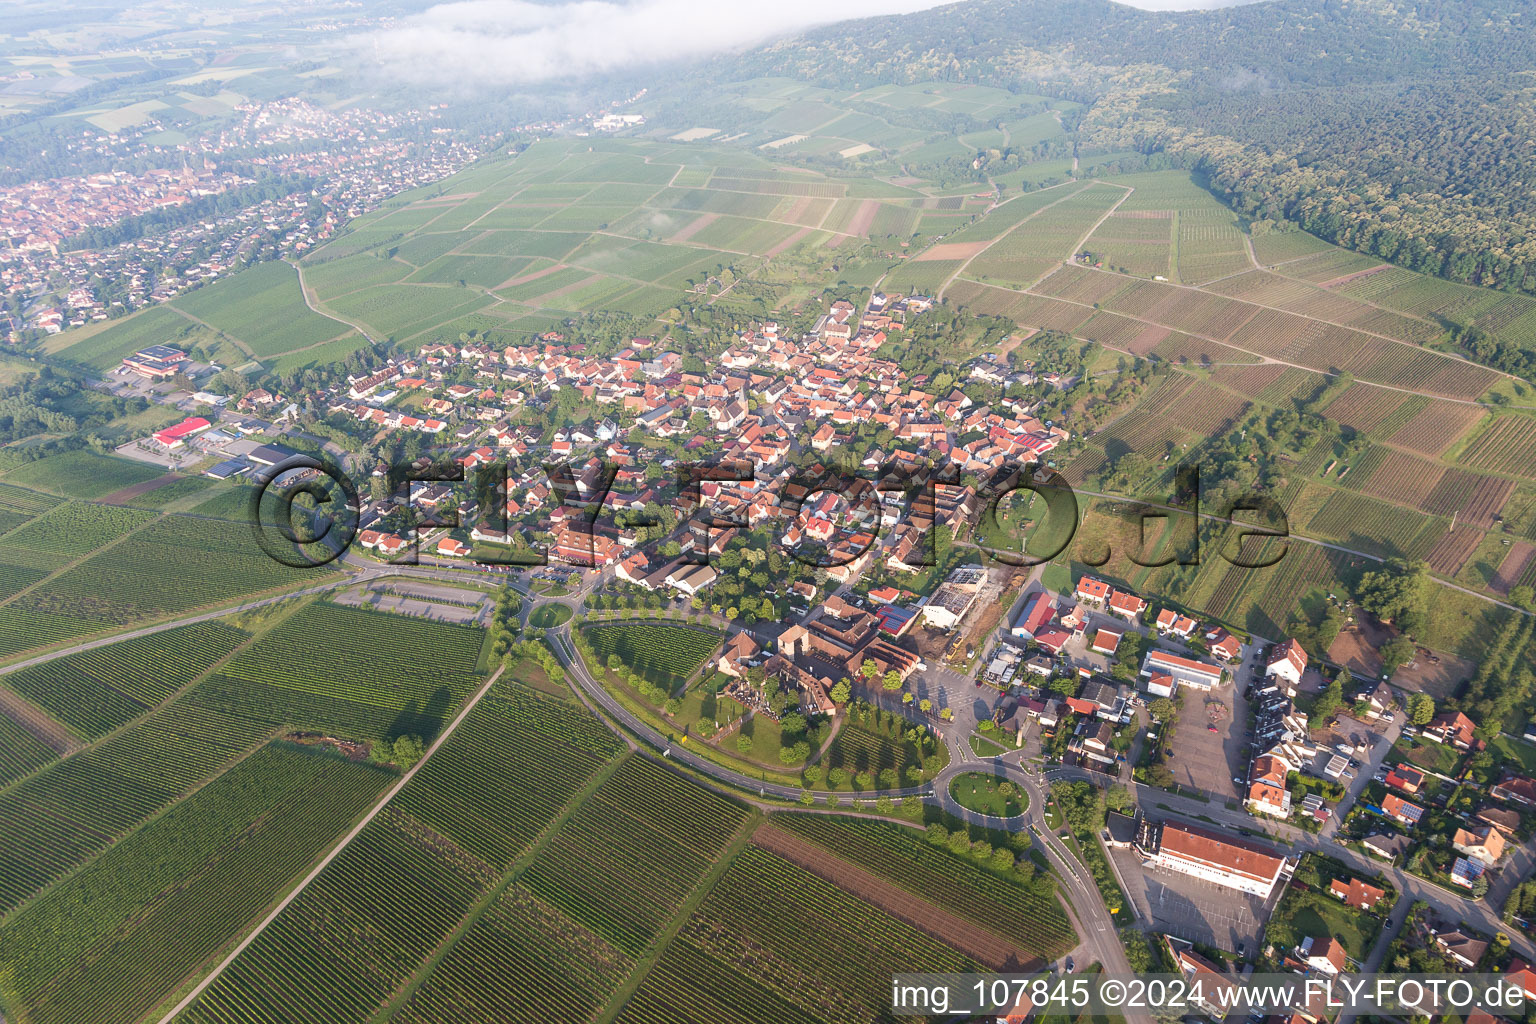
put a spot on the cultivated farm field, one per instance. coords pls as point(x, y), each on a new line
point(665, 654)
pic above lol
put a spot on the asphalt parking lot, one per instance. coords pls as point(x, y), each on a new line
point(1205, 760)
point(1190, 908)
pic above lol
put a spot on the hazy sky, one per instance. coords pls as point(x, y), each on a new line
point(512, 42)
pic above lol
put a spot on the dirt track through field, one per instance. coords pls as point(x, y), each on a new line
point(124, 495)
point(701, 222)
point(864, 219)
point(524, 278)
point(972, 940)
point(791, 240)
point(43, 729)
point(1339, 282)
point(951, 251)
point(1510, 569)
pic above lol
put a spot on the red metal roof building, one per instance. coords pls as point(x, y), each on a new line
point(176, 436)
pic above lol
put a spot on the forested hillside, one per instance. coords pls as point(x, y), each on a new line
point(1404, 130)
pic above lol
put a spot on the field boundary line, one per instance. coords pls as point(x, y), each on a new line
point(513, 874)
point(314, 307)
point(78, 559)
point(346, 840)
point(1082, 240)
point(962, 267)
point(81, 744)
point(1293, 536)
point(647, 960)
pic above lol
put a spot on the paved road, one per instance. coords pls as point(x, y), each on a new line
point(1449, 905)
point(595, 693)
point(1099, 939)
point(1098, 936)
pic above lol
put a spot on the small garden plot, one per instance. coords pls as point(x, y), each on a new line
point(1427, 754)
point(1304, 913)
point(666, 655)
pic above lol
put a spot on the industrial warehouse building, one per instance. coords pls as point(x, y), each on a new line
point(1235, 863)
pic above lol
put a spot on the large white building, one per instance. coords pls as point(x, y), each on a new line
point(1287, 662)
point(1202, 675)
point(1211, 856)
point(954, 598)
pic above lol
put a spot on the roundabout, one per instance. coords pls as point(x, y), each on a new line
point(991, 795)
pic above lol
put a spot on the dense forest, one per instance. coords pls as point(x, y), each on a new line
point(1401, 129)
